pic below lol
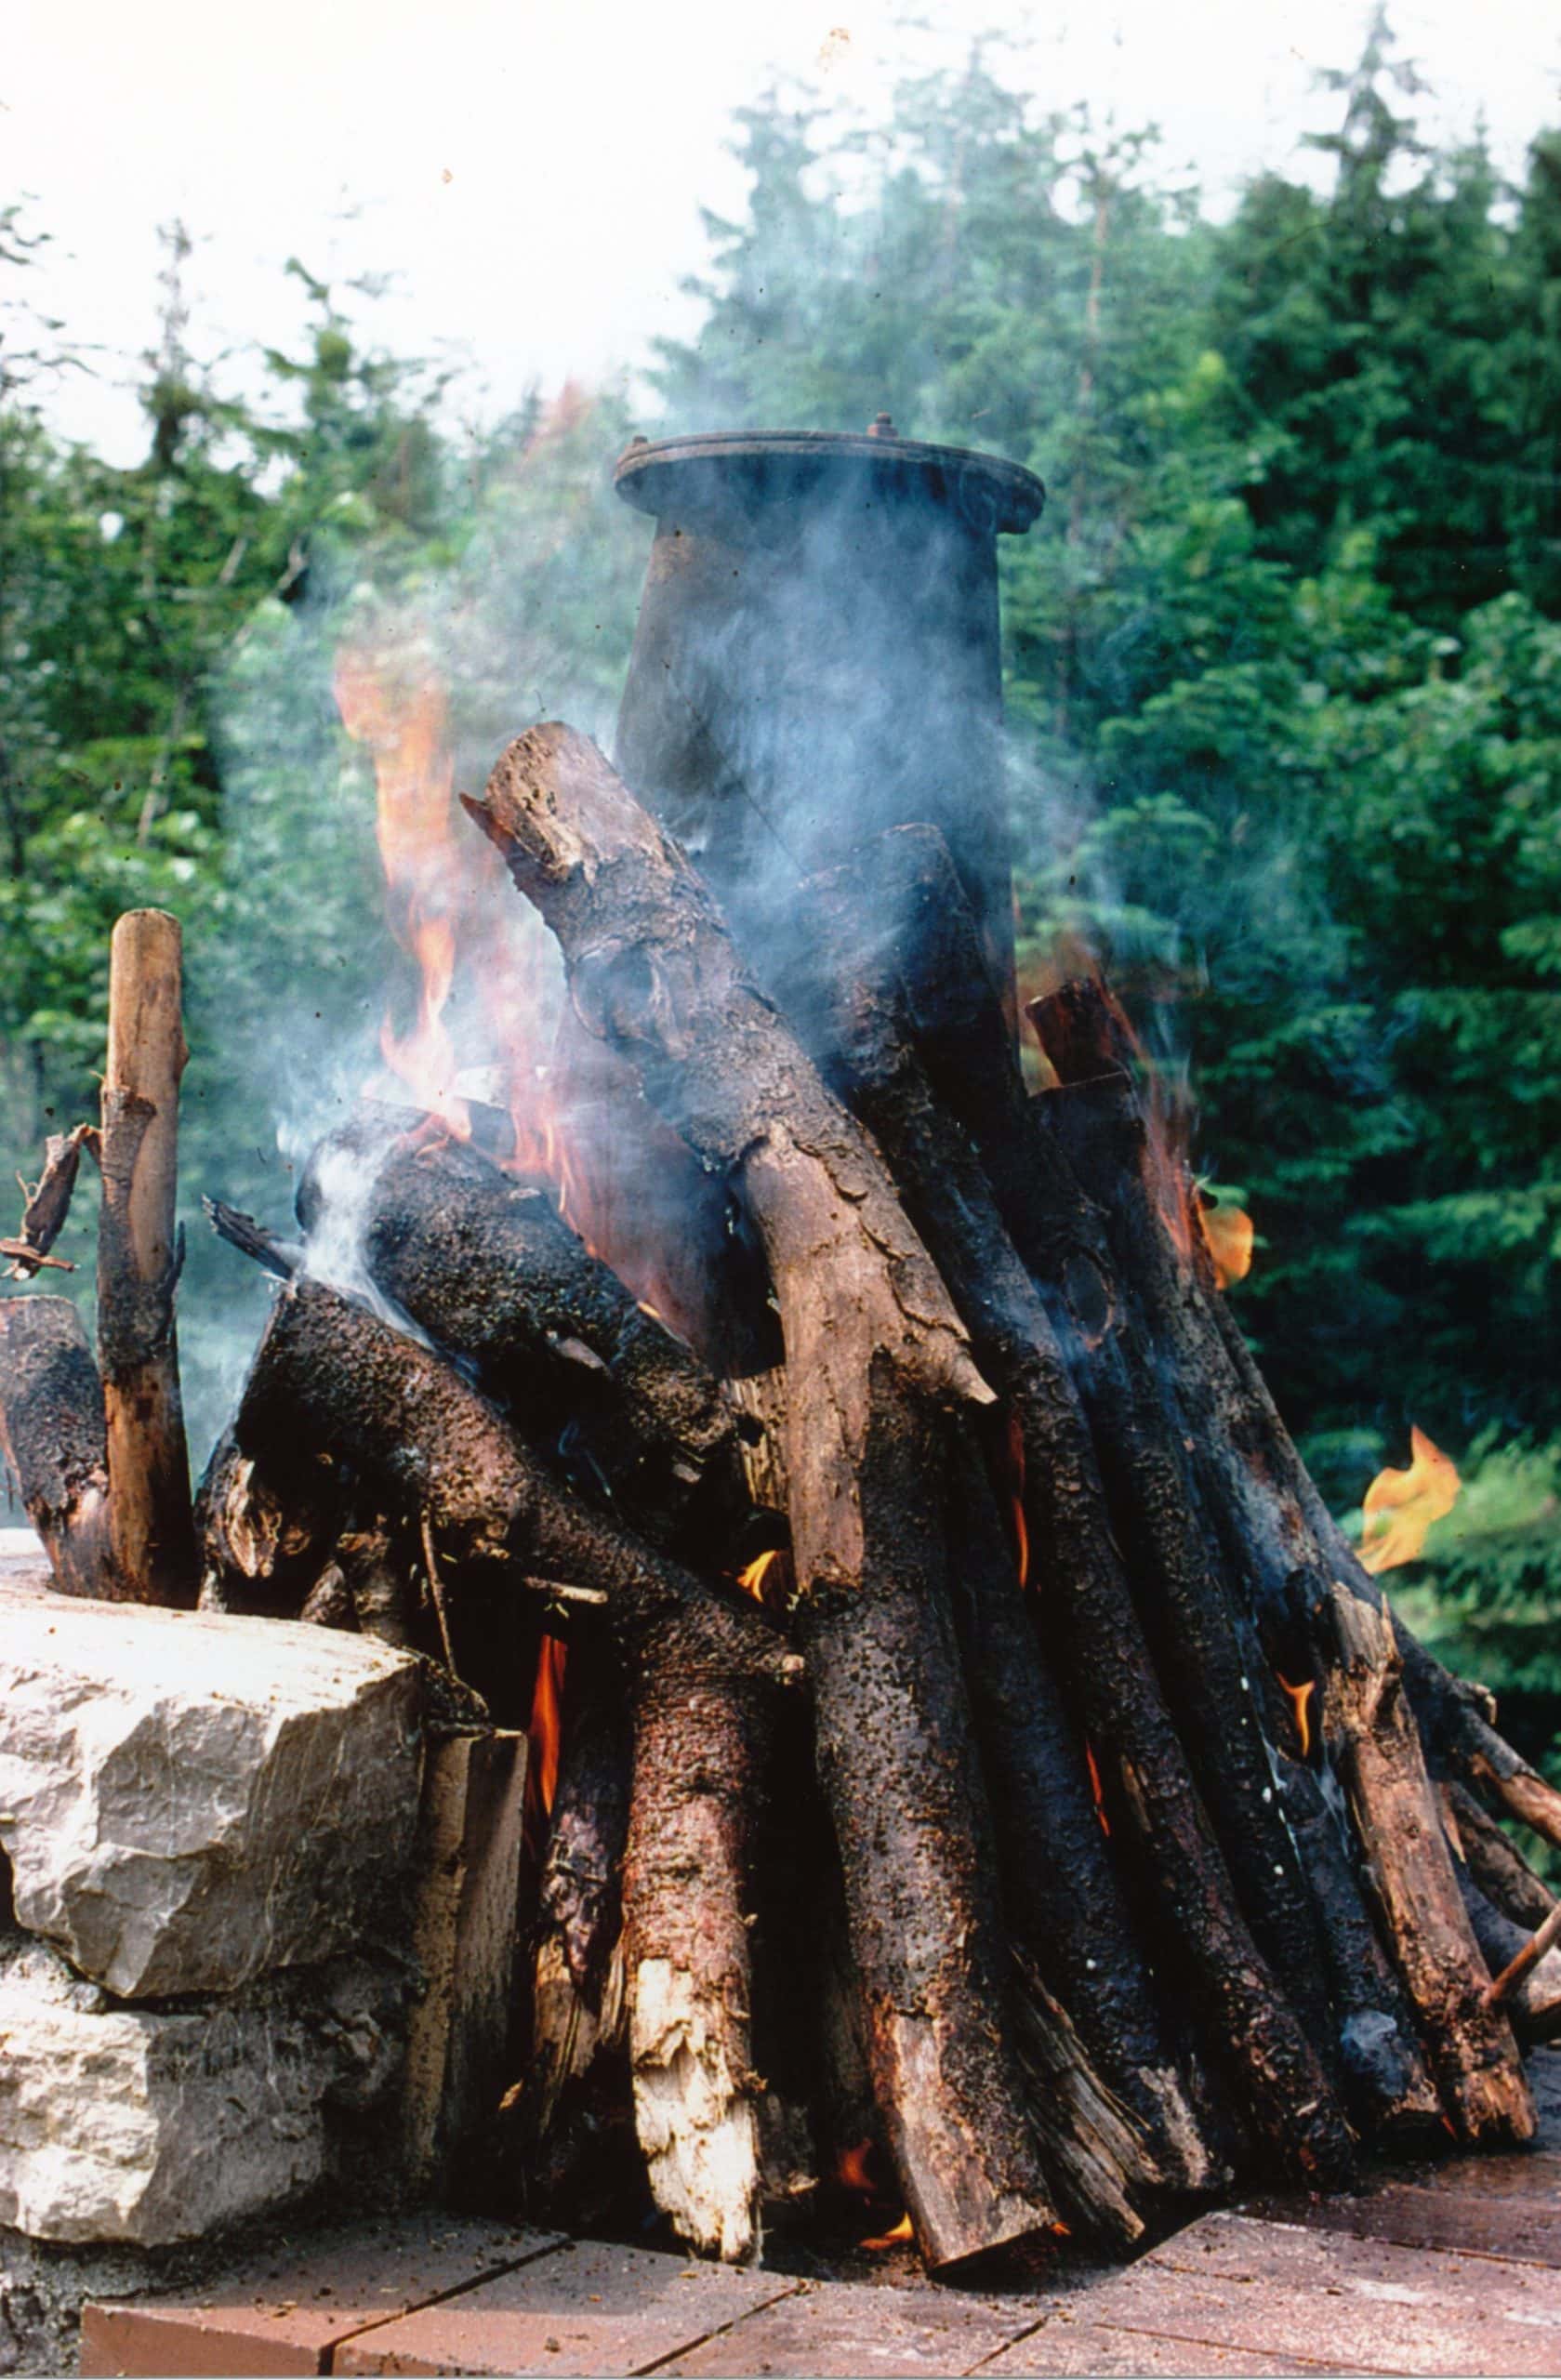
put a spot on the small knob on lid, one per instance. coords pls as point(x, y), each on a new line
point(881, 427)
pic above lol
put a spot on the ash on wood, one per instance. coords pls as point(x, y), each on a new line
point(52, 1433)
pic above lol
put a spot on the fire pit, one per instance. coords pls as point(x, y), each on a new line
point(971, 1769)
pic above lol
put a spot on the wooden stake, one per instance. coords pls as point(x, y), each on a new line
point(139, 1256)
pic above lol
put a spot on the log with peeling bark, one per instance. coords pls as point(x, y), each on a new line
point(339, 1383)
point(140, 1253)
point(868, 1323)
point(52, 1434)
point(486, 1265)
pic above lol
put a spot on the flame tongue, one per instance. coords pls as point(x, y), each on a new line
point(1401, 1505)
point(396, 707)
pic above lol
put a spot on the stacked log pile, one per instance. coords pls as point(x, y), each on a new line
point(968, 1741)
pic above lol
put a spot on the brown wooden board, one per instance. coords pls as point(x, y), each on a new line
point(588, 2309)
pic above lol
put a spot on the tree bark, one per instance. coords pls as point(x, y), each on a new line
point(139, 1251)
point(868, 1325)
point(52, 1433)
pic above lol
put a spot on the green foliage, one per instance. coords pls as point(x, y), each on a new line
point(1283, 675)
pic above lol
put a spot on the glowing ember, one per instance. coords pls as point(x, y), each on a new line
point(1099, 1798)
point(851, 2170)
point(900, 2234)
point(1016, 1468)
point(1228, 1230)
point(1401, 1505)
point(1301, 1697)
point(545, 1726)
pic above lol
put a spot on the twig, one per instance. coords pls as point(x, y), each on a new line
point(1543, 1938)
point(436, 1588)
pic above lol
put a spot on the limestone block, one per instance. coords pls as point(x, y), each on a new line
point(189, 1800)
point(158, 2124)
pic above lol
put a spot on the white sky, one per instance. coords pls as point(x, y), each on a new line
point(533, 171)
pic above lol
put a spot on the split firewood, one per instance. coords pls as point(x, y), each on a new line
point(868, 1323)
point(47, 1204)
point(52, 1434)
point(1376, 1749)
point(263, 1541)
point(578, 2029)
point(140, 1253)
point(335, 1380)
point(487, 1266)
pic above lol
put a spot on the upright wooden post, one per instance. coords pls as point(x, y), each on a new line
point(139, 1253)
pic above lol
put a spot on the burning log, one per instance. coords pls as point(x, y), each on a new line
point(1250, 2028)
point(568, 2097)
point(488, 1267)
point(1064, 1903)
point(140, 1253)
point(867, 1324)
point(1142, 1191)
point(364, 1395)
point(51, 1432)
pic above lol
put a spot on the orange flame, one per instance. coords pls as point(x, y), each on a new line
point(1096, 1795)
point(1299, 1696)
point(852, 2172)
point(1401, 1505)
point(399, 714)
point(545, 1726)
point(751, 1576)
point(900, 2232)
point(448, 907)
point(1229, 1232)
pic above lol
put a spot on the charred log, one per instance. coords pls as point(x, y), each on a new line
point(490, 1270)
point(867, 1322)
point(52, 1434)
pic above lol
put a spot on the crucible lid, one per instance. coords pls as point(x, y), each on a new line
point(732, 475)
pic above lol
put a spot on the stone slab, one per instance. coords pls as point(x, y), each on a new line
point(187, 1800)
point(1273, 2289)
point(1066, 2346)
point(1522, 2229)
point(589, 2310)
point(286, 2310)
point(832, 2328)
point(157, 2125)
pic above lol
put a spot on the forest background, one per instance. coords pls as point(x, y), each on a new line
point(1283, 665)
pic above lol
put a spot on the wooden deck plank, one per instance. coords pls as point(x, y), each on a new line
point(583, 2310)
point(835, 2330)
point(284, 2310)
